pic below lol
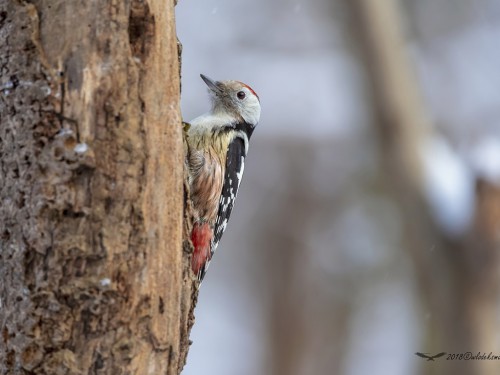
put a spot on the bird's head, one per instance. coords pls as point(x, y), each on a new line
point(235, 99)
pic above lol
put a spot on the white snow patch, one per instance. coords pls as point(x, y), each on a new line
point(46, 90)
point(105, 282)
point(8, 85)
point(81, 148)
point(64, 132)
point(449, 186)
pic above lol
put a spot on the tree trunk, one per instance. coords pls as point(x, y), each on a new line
point(94, 279)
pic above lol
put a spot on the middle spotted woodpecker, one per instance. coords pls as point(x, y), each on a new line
point(217, 147)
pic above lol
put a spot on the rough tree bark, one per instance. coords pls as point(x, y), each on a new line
point(93, 276)
point(459, 277)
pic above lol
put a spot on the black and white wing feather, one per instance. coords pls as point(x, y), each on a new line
point(235, 164)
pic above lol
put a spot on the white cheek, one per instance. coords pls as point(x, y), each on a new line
point(251, 110)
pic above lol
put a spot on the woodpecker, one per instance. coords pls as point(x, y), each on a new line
point(217, 148)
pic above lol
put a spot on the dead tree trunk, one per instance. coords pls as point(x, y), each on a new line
point(93, 277)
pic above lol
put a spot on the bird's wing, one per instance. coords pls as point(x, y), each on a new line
point(439, 355)
point(422, 355)
point(235, 164)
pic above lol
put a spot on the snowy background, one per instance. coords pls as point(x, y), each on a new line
point(312, 276)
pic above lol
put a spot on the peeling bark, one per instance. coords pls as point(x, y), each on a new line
point(94, 271)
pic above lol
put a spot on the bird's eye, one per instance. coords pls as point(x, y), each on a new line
point(240, 95)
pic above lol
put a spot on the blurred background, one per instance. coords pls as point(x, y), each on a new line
point(367, 227)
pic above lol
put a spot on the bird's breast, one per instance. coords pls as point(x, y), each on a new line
point(207, 171)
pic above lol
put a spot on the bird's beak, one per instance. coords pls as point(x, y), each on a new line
point(212, 85)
